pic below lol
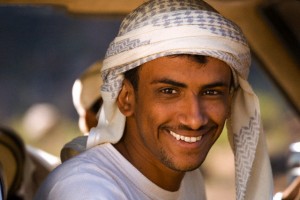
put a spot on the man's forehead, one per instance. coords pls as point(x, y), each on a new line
point(183, 68)
point(181, 60)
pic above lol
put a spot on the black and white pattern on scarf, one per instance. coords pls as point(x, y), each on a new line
point(161, 15)
point(177, 13)
point(245, 148)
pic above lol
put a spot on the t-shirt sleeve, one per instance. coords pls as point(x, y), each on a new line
point(84, 186)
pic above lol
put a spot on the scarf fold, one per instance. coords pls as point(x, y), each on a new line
point(167, 27)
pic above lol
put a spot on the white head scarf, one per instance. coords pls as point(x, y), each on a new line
point(167, 27)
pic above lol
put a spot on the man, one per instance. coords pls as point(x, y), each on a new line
point(87, 101)
point(86, 97)
point(171, 78)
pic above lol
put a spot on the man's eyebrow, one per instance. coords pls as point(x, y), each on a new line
point(183, 85)
point(169, 82)
point(217, 84)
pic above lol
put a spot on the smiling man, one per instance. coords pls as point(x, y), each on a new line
point(174, 75)
point(175, 113)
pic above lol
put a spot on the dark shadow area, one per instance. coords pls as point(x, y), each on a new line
point(43, 50)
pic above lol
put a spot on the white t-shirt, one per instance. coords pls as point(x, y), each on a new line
point(103, 173)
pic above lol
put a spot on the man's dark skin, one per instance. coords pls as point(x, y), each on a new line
point(173, 116)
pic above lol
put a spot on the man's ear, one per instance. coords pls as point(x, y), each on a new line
point(125, 100)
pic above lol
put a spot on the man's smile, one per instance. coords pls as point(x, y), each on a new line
point(185, 138)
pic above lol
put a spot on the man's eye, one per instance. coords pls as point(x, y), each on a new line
point(169, 91)
point(211, 92)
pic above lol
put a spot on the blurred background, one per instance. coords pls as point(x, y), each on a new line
point(43, 49)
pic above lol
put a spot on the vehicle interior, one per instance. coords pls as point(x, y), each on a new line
point(37, 32)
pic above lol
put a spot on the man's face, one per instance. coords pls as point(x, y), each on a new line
point(180, 109)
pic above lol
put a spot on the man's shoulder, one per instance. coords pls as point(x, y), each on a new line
point(95, 162)
point(86, 171)
point(96, 158)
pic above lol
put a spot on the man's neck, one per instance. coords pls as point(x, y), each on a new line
point(155, 171)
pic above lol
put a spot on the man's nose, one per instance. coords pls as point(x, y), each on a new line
point(193, 113)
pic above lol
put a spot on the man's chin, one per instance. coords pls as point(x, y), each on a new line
point(184, 167)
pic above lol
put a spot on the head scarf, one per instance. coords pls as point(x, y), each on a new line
point(167, 27)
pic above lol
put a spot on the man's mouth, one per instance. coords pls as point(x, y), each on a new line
point(185, 138)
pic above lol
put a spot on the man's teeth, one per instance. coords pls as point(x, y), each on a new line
point(184, 138)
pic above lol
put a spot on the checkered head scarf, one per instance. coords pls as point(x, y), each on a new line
point(167, 27)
